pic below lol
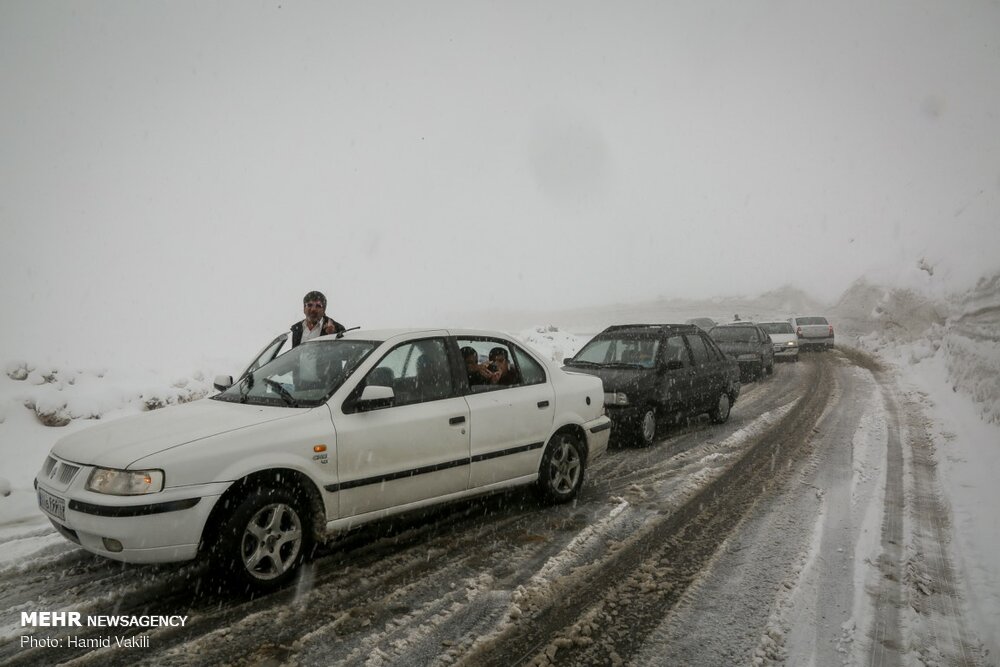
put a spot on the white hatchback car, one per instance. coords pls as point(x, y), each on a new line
point(334, 433)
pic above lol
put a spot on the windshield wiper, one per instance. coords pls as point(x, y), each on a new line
point(582, 362)
point(284, 393)
point(622, 364)
point(247, 381)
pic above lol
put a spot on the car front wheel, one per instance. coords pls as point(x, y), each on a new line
point(560, 474)
point(646, 432)
point(264, 540)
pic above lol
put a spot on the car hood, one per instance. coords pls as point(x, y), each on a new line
point(120, 442)
point(619, 379)
point(734, 349)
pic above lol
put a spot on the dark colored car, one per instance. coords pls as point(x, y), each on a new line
point(748, 344)
point(656, 372)
point(705, 323)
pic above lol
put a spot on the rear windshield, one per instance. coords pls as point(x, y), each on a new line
point(733, 334)
point(777, 327)
point(811, 320)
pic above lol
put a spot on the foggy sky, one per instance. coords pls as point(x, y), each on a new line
point(186, 171)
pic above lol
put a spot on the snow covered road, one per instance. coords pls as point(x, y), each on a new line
point(806, 530)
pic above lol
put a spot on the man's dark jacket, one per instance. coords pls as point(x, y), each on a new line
point(298, 327)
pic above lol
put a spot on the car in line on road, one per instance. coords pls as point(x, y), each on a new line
point(653, 373)
point(748, 344)
point(334, 433)
point(813, 332)
point(784, 342)
point(704, 323)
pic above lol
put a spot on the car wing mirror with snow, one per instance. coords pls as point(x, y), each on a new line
point(223, 382)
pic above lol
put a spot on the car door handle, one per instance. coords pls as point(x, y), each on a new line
point(543, 404)
point(456, 420)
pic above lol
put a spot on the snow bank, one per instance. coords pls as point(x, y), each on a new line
point(40, 404)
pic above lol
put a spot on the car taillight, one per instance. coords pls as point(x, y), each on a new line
point(831, 329)
point(798, 331)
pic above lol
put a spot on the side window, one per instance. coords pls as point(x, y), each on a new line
point(497, 364)
point(698, 349)
point(675, 351)
point(418, 371)
point(531, 371)
point(714, 353)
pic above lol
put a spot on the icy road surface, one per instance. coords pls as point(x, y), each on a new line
point(806, 530)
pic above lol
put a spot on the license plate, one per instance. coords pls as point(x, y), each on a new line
point(51, 504)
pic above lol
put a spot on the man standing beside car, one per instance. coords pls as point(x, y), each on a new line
point(316, 323)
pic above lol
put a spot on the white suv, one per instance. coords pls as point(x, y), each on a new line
point(336, 432)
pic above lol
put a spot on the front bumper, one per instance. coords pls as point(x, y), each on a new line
point(786, 352)
point(153, 528)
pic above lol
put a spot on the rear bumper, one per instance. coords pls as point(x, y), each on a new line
point(826, 341)
point(598, 433)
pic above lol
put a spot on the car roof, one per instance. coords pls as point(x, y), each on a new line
point(741, 323)
point(382, 335)
point(651, 328)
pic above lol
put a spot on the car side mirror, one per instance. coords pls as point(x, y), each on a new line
point(567, 361)
point(223, 382)
point(674, 365)
point(375, 396)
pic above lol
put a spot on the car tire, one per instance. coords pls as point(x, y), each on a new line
point(261, 544)
point(720, 413)
point(560, 474)
point(645, 429)
point(770, 368)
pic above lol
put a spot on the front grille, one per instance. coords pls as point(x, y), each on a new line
point(67, 473)
point(48, 465)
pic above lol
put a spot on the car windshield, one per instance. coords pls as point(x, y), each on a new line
point(733, 335)
point(620, 350)
point(303, 377)
point(811, 320)
point(777, 327)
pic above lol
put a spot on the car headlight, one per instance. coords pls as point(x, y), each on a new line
point(615, 398)
point(125, 482)
point(790, 343)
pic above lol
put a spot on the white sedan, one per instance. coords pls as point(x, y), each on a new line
point(334, 433)
point(783, 339)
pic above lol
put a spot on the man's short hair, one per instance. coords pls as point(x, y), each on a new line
point(314, 296)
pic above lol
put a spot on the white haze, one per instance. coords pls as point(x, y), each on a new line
point(176, 175)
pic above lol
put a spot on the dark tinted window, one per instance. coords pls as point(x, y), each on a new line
point(811, 320)
point(674, 350)
point(734, 334)
point(698, 349)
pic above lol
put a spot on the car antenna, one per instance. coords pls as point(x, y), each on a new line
point(340, 334)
